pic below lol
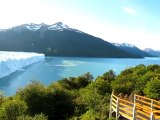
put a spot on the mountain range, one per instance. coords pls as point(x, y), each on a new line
point(133, 49)
point(61, 40)
point(152, 52)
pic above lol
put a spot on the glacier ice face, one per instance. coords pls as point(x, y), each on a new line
point(12, 61)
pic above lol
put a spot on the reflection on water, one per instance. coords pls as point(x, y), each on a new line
point(55, 68)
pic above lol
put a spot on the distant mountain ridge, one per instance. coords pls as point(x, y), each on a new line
point(58, 40)
point(133, 49)
point(152, 52)
point(35, 27)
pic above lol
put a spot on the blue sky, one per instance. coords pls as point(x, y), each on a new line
point(132, 21)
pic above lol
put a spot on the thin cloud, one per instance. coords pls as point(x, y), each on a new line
point(129, 10)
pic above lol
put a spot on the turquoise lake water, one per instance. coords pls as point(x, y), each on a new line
point(55, 68)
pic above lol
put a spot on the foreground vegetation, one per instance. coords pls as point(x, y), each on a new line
point(79, 98)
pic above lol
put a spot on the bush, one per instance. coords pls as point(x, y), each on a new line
point(125, 84)
point(89, 115)
point(109, 76)
point(53, 102)
point(152, 89)
point(96, 98)
point(76, 83)
point(11, 109)
point(36, 117)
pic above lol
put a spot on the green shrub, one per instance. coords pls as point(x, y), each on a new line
point(76, 82)
point(152, 89)
point(53, 102)
point(11, 109)
point(36, 117)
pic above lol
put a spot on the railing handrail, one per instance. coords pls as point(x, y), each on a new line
point(142, 106)
point(148, 98)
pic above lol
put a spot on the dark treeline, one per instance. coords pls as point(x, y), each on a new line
point(79, 98)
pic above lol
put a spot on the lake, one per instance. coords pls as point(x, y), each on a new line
point(55, 68)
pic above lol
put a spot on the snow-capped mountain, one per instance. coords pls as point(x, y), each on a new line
point(58, 40)
point(132, 49)
point(124, 45)
point(33, 27)
point(58, 26)
point(41, 27)
point(152, 52)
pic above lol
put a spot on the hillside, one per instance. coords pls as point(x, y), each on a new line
point(133, 49)
point(58, 40)
point(152, 52)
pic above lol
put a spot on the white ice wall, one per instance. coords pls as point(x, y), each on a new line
point(12, 61)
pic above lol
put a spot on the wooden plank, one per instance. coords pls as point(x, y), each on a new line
point(138, 116)
point(115, 100)
point(126, 116)
point(126, 110)
point(114, 96)
point(113, 108)
point(146, 107)
point(147, 111)
point(114, 104)
point(157, 106)
point(157, 102)
point(129, 102)
point(144, 97)
point(125, 105)
point(156, 111)
point(149, 103)
point(139, 106)
point(157, 116)
point(148, 98)
point(144, 113)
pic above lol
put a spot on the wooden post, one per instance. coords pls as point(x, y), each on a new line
point(110, 109)
point(134, 112)
point(152, 116)
point(151, 104)
point(134, 99)
point(134, 108)
point(117, 109)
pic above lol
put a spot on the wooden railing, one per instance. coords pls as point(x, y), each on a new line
point(139, 108)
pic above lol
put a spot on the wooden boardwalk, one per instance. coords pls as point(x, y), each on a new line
point(138, 108)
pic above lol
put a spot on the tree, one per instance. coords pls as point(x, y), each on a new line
point(152, 89)
point(11, 109)
point(76, 82)
point(125, 83)
point(96, 98)
point(109, 76)
point(153, 68)
point(53, 102)
point(140, 70)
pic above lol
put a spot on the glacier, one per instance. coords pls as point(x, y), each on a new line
point(13, 61)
